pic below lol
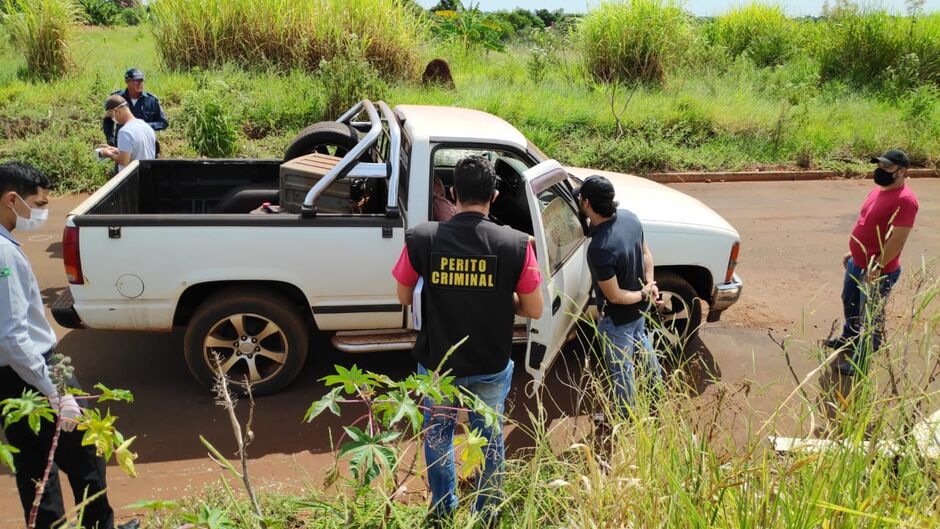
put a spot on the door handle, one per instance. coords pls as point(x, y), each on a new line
point(556, 305)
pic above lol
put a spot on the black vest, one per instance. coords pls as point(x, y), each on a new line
point(470, 268)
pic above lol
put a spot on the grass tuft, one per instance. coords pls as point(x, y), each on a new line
point(633, 40)
point(758, 31)
point(42, 31)
point(286, 34)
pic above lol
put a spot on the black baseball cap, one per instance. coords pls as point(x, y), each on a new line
point(596, 189)
point(134, 74)
point(893, 157)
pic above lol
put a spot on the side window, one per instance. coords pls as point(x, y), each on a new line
point(563, 231)
point(511, 207)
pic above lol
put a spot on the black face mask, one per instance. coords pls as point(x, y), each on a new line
point(884, 178)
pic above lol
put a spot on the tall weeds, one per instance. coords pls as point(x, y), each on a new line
point(870, 47)
point(759, 31)
point(705, 461)
point(42, 31)
point(259, 34)
point(633, 40)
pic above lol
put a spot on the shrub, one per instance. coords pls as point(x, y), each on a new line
point(100, 12)
point(758, 31)
point(258, 34)
point(67, 159)
point(347, 79)
point(210, 127)
point(42, 30)
point(133, 16)
point(471, 28)
point(860, 47)
point(633, 40)
point(298, 103)
point(874, 48)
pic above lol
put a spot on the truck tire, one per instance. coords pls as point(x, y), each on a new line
point(680, 318)
point(325, 137)
point(257, 334)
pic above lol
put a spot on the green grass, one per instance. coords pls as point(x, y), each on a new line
point(633, 40)
point(41, 31)
point(287, 34)
point(725, 117)
point(758, 31)
point(699, 461)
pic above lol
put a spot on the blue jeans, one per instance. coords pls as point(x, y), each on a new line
point(439, 442)
point(620, 348)
point(860, 308)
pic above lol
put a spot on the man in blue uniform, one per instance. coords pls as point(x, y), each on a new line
point(143, 105)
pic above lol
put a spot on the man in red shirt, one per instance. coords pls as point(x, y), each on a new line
point(467, 277)
point(872, 264)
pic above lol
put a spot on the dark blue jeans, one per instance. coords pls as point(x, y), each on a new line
point(861, 308)
point(439, 442)
point(622, 344)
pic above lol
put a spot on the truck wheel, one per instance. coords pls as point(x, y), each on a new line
point(325, 137)
point(678, 321)
point(257, 334)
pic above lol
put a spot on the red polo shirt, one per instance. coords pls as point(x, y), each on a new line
point(881, 210)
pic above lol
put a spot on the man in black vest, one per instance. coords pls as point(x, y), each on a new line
point(468, 277)
point(622, 268)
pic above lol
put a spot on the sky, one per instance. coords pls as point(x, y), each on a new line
point(699, 7)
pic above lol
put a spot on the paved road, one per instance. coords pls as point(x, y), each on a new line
point(793, 236)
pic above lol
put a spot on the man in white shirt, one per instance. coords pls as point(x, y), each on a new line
point(26, 343)
point(135, 140)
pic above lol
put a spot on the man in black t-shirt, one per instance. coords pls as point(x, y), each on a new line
point(622, 267)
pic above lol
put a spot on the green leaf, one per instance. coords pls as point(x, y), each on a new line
point(440, 389)
point(99, 431)
point(32, 405)
point(398, 405)
point(211, 518)
point(6, 456)
point(125, 458)
point(367, 454)
point(153, 505)
point(471, 454)
point(330, 401)
point(219, 458)
point(351, 379)
point(490, 417)
point(114, 394)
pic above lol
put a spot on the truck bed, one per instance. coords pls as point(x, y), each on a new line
point(192, 187)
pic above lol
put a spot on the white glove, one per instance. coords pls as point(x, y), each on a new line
point(68, 409)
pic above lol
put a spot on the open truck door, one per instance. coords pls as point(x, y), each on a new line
point(560, 246)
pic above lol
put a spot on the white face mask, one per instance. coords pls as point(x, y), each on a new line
point(37, 217)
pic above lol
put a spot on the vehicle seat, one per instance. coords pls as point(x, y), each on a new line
point(511, 207)
point(244, 199)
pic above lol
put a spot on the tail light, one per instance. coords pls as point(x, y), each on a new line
point(71, 256)
point(732, 261)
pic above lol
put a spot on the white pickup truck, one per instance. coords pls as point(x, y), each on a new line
point(171, 243)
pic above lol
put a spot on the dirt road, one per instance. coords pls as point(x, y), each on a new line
point(793, 237)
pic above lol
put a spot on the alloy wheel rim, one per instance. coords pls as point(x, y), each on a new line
point(249, 346)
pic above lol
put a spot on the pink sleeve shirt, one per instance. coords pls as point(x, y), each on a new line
point(529, 280)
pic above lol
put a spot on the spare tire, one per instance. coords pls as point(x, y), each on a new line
point(326, 137)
